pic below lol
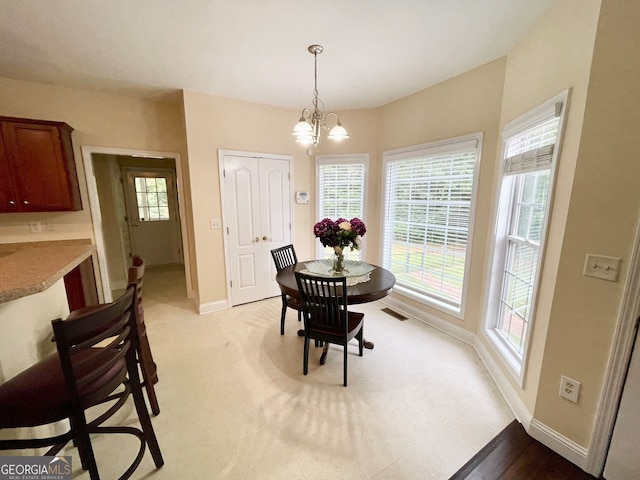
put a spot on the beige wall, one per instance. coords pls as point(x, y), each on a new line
point(214, 123)
point(465, 104)
point(602, 219)
point(554, 56)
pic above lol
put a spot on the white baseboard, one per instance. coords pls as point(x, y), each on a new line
point(517, 406)
point(431, 320)
point(560, 444)
point(211, 307)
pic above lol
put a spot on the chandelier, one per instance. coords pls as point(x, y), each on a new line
point(307, 130)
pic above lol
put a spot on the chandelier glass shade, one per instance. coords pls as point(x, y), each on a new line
point(312, 121)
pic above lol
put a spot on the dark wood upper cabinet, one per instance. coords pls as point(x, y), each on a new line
point(37, 167)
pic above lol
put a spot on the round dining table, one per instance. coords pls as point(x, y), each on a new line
point(378, 286)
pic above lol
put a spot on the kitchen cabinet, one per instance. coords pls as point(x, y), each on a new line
point(37, 167)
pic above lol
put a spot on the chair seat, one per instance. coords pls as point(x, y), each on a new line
point(42, 388)
point(355, 319)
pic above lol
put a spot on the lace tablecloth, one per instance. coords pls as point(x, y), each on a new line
point(355, 271)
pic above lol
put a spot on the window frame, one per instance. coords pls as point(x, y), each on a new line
point(345, 159)
point(504, 215)
point(440, 147)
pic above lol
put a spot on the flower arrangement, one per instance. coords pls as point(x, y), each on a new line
point(342, 233)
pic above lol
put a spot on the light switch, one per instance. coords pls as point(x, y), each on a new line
point(599, 266)
point(216, 224)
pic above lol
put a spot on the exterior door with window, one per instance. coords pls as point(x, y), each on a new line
point(257, 210)
point(152, 215)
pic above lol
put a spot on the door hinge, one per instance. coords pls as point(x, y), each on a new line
point(227, 230)
point(231, 283)
point(224, 172)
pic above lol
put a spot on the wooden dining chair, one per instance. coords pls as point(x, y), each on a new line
point(147, 365)
point(95, 364)
point(326, 316)
point(284, 257)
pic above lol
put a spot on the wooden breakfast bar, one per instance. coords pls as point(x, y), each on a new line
point(32, 293)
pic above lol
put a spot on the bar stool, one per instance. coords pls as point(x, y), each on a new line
point(148, 367)
point(96, 354)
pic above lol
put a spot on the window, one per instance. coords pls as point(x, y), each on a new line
point(151, 195)
point(528, 171)
point(341, 190)
point(429, 201)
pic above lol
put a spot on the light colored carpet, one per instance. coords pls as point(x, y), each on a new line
point(235, 405)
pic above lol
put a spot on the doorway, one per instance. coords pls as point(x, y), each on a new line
point(256, 206)
point(152, 214)
point(109, 214)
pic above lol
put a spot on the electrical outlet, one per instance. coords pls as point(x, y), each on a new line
point(569, 388)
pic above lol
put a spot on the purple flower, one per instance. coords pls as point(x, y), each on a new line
point(341, 233)
point(358, 226)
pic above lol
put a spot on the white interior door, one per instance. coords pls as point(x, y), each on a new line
point(152, 215)
point(257, 205)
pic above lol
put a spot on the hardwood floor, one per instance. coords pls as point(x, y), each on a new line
point(514, 455)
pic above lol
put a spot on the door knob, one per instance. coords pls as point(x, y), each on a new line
point(266, 239)
point(256, 240)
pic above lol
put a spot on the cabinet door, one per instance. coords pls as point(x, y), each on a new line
point(38, 171)
point(7, 196)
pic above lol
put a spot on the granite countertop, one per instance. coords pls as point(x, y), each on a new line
point(28, 268)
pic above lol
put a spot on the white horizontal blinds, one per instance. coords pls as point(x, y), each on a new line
point(537, 159)
point(428, 205)
point(341, 194)
point(342, 190)
point(532, 149)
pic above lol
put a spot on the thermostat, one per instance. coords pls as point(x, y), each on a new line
point(302, 197)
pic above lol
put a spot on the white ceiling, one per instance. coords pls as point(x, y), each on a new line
point(376, 51)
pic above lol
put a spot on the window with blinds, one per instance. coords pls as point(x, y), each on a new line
point(428, 207)
point(528, 169)
point(341, 191)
